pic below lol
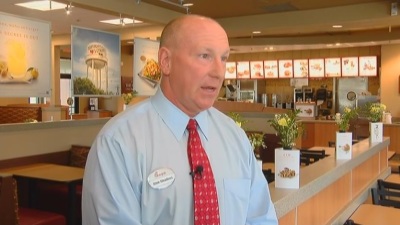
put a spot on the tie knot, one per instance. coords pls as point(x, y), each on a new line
point(192, 125)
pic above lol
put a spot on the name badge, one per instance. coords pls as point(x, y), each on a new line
point(161, 178)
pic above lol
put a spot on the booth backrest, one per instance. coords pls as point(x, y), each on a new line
point(8, 207)
point(19, 114)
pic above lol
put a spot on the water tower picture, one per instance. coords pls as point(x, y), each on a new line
point(97, 65)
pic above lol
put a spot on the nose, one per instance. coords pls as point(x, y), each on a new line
point(219, 68)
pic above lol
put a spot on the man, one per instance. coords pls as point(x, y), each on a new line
point(138, 170)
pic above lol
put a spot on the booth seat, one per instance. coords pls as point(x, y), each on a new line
point(20, 114)
point(12, 214)
point(53, 196)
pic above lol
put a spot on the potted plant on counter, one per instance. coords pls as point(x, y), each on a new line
point(375, 112)
point(344, 138)
point(287, 160)
point(127, 97)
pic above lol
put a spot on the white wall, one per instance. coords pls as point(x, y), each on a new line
point(390, 75)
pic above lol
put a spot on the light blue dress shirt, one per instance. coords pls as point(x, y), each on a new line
point(151, 136)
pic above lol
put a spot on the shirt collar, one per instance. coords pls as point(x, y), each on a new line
point(174, 118)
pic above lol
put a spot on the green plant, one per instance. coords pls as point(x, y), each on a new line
point(129, 96)
point(287, 127)
point(237, 118)
point(343, 120)
point(257, 141)
point(375, 111)
point(84, 86)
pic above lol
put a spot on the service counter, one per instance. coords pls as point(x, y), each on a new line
point(331, 190)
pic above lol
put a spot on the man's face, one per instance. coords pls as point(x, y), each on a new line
point(198, 67)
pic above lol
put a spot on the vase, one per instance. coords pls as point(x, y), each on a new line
point(376, 132)
point(124, 107)
point(344, 143)
point(287, 168)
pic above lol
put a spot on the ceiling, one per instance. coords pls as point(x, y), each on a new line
point(284, 24)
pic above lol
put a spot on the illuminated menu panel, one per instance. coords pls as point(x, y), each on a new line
point(300, 68)
point(332, 67)
point(317, 68)
point(271, 68)
point(349, 66)
point(285, 68)
point(256, 70)
point(243, 70)
point(230, 72)
point(368, 66)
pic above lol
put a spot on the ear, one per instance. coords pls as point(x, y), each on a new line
point(164, 60)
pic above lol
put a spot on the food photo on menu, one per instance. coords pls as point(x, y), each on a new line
point(243, 70)
point(285, 68)
point(271, 68)
point(256, 71)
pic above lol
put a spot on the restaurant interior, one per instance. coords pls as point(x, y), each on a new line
point(45, 133)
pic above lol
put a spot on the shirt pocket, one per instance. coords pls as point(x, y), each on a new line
point(236, 201)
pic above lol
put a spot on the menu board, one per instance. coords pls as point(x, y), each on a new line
point(256, 70)
point(243, 70)
point(349, 66)
point(285, 68)
point(271, 68)
point(368, 65)
point(230, 72)
point(332, 67)
point(300, 68)
point(317, 68)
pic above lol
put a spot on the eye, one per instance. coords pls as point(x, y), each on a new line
point(224, 58)
point(205, 56)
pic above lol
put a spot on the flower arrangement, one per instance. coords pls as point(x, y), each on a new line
point(237, 118)
point(30, 120)
point(375, 111)
point(287, 128)
point(257, 141)
point(129, 96)
point(343, 120)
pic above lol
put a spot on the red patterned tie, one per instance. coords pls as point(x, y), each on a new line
point(206, 210)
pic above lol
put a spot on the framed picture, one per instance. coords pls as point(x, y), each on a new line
point(271, 68)
point(243, 70)
point(256, 70)
point(300, 68)
point(368, 66)
point(317, 68)
point(349, 66)
point(230, 72)
point(333, 67)
point(285, 68)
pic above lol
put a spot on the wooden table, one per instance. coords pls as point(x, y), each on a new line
point(394, 178)
point(328, 150)
point(269, 166)
point(368, 214)
point(70, 176)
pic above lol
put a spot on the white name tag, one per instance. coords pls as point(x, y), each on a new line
point(161, 178)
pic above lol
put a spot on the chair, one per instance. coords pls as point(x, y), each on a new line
point(386, 194)
point(311, 156)
point(12, 214)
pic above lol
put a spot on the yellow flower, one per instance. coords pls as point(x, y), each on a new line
point(287, 128)
point(129, 96)
point(282, 122)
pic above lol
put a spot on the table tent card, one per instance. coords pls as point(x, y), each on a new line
point(376, 130)
point(287, 168)
point(344, 141)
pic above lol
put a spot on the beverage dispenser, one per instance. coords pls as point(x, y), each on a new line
point(308, 94)
point(298, 95)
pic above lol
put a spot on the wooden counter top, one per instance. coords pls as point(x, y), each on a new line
point(320, 182)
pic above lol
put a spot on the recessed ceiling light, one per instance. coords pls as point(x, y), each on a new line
point(126, 21)
point(337, 26)
point(187, 4)
point(42, 5)
point(257, 32)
